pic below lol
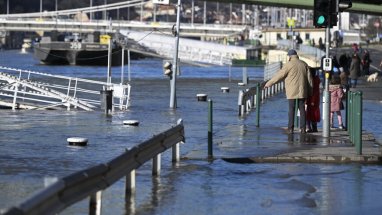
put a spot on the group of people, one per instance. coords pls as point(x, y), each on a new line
point(302, 85)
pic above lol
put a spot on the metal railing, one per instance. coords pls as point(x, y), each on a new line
point(252, 97)
point(354, 119)
point(92, 181)
point(20, 86)
point(304, 49)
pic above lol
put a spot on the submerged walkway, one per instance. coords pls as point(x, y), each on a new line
point(271, 143)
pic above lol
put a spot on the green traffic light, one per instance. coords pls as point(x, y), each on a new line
point(321, 20)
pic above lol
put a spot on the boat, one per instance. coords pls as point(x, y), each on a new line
point(76, 49)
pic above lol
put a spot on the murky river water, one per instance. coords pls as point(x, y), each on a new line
point(34, 152)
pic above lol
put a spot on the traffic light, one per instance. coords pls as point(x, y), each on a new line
point(321, 13)
point(325, 13)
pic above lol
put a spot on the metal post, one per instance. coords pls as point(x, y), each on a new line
point(358, 122)
point(205, 12)
point(122, 65)
point(109, 64)
point(258, 92)
point(156, 164)
point(192, 12)
point(175, 64)
point(210, 104)
point(296, 121)
point(245, 75)
point(326, 99)
point(95, 204)
point(7, 7)
point(128, 66)
point(105, 11)
point(176, 147)
point(91, 13)
point(243, 16)
point(130, 184)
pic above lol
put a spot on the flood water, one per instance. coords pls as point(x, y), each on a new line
point(34, 151)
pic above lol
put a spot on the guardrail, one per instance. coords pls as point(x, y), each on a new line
point(354, 119)
point(56, 90)
point(92, 181)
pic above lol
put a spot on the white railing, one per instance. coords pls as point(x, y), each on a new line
point(92, 181)
point(189, 50)
point(20, 89)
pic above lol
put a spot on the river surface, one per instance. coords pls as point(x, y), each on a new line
point(34, 151)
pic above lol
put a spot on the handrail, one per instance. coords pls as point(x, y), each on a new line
point(91, 181)
point(250, 97)
point(63, 90)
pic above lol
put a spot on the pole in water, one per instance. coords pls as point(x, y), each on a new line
point(109, 64)
point(210, 119)
point(175, 65)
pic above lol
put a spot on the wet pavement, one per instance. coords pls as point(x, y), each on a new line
point(259, 144)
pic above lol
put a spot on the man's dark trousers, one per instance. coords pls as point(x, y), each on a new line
point(291, 114)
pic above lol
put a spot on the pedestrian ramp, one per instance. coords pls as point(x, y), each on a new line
point(190, 50)
point(25, 89)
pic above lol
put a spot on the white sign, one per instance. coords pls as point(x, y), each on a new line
point(327, 64)
point(161, 1)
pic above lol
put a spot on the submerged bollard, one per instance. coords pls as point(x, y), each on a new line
point(107, 100)
point(210, 104)
point(225, 89)
point(131, 122)
point(201, 97)
point(77, 141)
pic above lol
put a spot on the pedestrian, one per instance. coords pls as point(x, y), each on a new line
point(344, 79)
point(366, 62)
point(336, 104)
point(321, 44)
point(313, 103)
point(298, 86)
point(355, 70)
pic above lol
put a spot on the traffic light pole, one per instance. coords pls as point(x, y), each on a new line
point(173, 103)
point(326, 98)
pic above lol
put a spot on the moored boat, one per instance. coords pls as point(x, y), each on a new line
point(78, 50)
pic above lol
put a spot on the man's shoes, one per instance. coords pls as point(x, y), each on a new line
point(341, 127)
point(302, 131)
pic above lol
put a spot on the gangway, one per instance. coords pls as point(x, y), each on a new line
point(191, 50)
point(47, 91)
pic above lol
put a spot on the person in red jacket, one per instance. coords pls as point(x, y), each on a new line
point(313, 103)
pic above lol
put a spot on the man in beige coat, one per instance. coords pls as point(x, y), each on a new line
point(298, 86)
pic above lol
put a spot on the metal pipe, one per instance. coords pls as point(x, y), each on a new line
point(258, 92)
point(109, 64)
point(130, 184)
point(175, 64)
point(326, 99)
point(95, 203)
point(156, 165)
point(128, 65)
point(210, 119)
point(122, 65)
